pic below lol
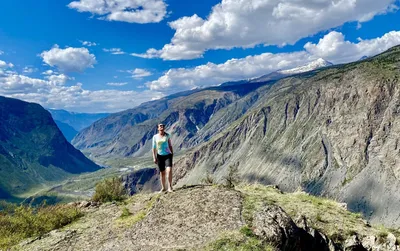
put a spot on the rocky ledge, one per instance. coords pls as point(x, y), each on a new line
point(215, 218)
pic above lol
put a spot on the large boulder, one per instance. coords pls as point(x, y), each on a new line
point(274, 225)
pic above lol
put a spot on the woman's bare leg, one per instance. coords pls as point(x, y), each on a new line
point(169, 172)
point(163, 181)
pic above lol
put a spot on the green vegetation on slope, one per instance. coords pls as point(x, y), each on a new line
point(110, 189)
point(20, 222)
point(33, 151)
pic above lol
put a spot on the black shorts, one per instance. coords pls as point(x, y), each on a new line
point(164, 161)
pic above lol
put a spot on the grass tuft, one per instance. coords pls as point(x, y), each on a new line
point(110, 189)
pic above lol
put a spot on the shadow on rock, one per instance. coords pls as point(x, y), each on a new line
point(146, 180)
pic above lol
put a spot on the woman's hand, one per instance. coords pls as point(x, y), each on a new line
point(155, 161)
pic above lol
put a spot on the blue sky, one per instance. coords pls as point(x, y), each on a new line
point(92, 55)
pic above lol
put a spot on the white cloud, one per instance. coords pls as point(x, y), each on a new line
point(88, 43)
point(1, 52)
point(246, 23)
point(53, 93)
point(29, 69)
point(150, 53)
point(69, 59)
point(49, 72)
point(58, 79)
point(234, 69)
point(115, 51)
point(117, 83)
point(5, 65)
point(131, 11)
point(140, 73)
point(332, 48)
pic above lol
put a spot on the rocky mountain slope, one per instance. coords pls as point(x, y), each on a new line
point(33, 151)
point(217, 218)
point(129, 133)
point(333, 132)
point(192, 117)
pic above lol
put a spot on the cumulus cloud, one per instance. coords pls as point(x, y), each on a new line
point(29, 69)
point(117, 83)
point(58, 79)
point(332, 47)
point(88, 43)
point(234, 69)
point(131, 11)
point(115, 51)
point(140, 73)
point(53, 93)
point(49, 72)
point(150, 53)
point(5, 65)
point(234, 23)
point(69, 59)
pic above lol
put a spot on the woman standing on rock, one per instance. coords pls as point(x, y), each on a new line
point(162, 156)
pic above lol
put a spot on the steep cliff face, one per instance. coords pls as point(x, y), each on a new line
point(33, 151)
point(334, 133)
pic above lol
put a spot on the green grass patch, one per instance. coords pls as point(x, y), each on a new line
point(125, 212)
point(128, 219)
point(20, 222)
point(239, 241)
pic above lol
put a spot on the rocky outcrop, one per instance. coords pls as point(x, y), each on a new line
point(193, 218)
point(388, 242)
point(187, 219)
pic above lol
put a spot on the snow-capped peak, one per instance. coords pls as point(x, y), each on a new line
point(319, 63)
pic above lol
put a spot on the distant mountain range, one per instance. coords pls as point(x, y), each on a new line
point(70, 123)
point(33, 151)
point(78, 121)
